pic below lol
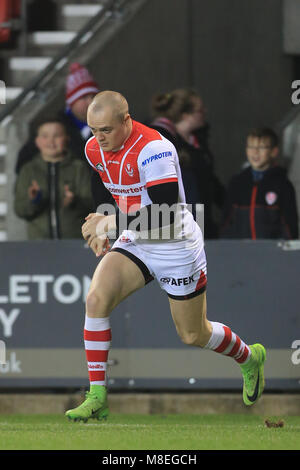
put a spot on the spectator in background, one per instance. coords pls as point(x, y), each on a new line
point(180, 116)
point(9, 10)
point(53, 189)
point(261, 200)
point(80, 90)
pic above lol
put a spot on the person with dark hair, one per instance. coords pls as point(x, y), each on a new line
point(52, 190)
point(261, 201)
point(180, 116)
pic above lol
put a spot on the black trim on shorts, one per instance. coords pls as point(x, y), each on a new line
point(145, 271)
point(188, 296)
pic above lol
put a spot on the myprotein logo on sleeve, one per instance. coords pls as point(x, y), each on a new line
point(155, 157)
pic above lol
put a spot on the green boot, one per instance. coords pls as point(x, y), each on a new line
point(253, 374)
point(94, 406)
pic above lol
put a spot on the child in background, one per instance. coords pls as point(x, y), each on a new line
point(261, 201)
point(53, 190)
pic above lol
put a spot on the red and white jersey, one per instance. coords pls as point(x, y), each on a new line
point(146, 159)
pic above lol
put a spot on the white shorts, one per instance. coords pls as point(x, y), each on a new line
point(178, 265)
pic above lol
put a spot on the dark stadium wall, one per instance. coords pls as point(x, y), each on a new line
point(241, 71)
point(150, 54)
point(231, 51)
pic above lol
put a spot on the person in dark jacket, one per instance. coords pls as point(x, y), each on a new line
point(80, 90)
point(261, 201)
point(180, 117)
point(52, 190)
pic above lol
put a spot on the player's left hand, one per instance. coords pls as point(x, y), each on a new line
point(95, 230)
point(100, 246)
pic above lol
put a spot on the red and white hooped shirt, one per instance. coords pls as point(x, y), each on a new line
point(146, 159)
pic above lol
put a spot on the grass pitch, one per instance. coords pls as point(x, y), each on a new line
point(154, 432)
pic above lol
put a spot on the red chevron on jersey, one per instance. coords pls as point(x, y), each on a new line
point(146, 159)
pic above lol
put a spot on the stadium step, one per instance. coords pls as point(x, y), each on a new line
point(49, 38)
point(3, 179)
point(3, 236)
point(3, 209)
point(73, 16)
point(12, 93)
point(49, 42)
point(23, 69)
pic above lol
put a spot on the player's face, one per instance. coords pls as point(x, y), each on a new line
point(110, 132)
point(260, 153)
point(51, 140)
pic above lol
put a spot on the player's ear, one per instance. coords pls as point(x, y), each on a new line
point(126, 117)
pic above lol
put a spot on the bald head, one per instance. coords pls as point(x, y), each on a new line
point(109, 120)
point(110, 101)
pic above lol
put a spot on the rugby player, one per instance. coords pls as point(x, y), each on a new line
point(140, 168)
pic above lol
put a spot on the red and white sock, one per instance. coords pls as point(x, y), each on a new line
point(97, 338)
point(224, 341)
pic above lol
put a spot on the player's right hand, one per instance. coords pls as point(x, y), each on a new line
point(93, 226)
point(100, 246)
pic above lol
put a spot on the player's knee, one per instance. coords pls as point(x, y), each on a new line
point(194, 338)
point(96, 303)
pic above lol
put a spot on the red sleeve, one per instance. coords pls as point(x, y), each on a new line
point(90, 151)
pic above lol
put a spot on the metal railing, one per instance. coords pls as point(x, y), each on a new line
point(110, 8)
